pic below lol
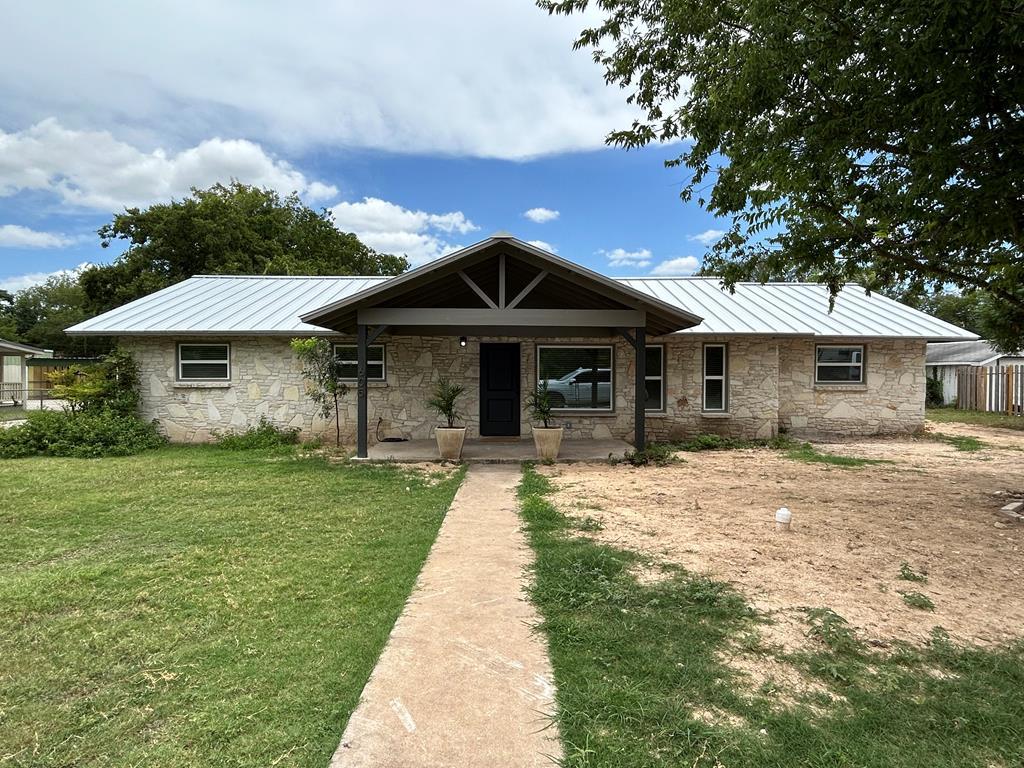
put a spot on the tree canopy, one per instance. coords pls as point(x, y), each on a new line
point(227, 229)
point(39, 314)
point(839, 138)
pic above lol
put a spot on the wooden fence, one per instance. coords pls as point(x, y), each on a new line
point(997, 390)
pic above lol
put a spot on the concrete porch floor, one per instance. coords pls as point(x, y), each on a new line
point(495, 451)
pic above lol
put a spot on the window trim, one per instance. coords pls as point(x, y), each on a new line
point(583, 411)
point(862, 365)
point(660, 377)
point(226, 360)
point(705, 378)
point(383, 360)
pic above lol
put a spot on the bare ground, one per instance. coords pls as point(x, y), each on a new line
point(933, 508)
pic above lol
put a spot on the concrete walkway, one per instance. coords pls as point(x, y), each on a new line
point(463, 680)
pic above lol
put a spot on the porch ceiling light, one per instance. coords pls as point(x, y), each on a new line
point(462, 341)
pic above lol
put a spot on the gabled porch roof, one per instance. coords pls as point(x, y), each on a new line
point(502, 285)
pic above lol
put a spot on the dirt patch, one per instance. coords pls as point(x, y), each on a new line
point(934, 508)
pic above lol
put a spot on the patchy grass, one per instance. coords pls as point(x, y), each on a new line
point(917, 600)
point(960, 442)
point(809, 454)
point(981, 418)
point(909, 574)
point(11, 413)
point(198, 607)
point(645, 678)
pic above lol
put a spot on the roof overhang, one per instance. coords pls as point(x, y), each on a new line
point(399, 303)
point(15, 348)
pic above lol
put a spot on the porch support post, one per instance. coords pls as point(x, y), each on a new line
point(361, 406)
point(640, 385)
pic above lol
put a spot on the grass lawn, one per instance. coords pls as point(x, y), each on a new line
point(643, 680)
point(11, 413)
point(197, 606)
point(983, 418)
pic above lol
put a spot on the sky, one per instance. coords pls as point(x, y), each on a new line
point(421, 127)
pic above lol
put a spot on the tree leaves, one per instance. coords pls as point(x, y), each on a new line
point(843, 137)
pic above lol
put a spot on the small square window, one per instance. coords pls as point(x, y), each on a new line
point(348, 362)
point(834, 364)
point(204, 362)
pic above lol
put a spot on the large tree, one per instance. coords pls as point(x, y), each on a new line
point(227, 229)
point(39, 314)
point(881, 136)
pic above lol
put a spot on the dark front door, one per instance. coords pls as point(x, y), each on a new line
point(499, 390)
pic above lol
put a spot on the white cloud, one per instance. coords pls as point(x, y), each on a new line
point(543, 245)
point(619, 257)
point(541, 215)
point(17, 236)
point(390, 228)
point(494, 79)
point(20, 282)
point(92, 169)
point(707, 237)
point(679, 267)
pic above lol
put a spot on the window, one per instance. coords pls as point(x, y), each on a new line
point(716, 396)
point(834, 364)
point(577, 377)
point(654, 372)
point(348, 362)
point(204, 362)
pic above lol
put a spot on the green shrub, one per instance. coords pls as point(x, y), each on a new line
point(86, 434)
point(657, 454)
point(109, 386)
point(933, 393)
point(263, 435)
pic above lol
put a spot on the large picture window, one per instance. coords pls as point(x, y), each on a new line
point(654, 372)
point(835, 364)
point(716, 390)
point(348, 362)
point(204, 362)
point(578, 378)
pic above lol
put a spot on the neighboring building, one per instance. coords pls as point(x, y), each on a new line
point(945, 360)
point(14, 377)
point(502, 314)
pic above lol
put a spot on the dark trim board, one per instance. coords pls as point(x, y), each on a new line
point(500, 403)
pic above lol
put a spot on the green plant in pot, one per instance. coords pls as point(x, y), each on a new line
point(444, 402)
point(546, 438)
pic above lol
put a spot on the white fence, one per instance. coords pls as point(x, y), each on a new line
point(997, 390)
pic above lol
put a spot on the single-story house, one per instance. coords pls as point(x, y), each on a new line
point(14, 377)
point(627, 358)
point(945, 360)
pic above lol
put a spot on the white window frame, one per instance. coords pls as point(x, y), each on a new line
point(660, 377)
point(705, 378)
point(611, 373)
point(383, 362)
point(828, 383)
point(226, 360)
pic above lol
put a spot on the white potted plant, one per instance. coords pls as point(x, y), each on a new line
point(444, 402)
point(547, 439)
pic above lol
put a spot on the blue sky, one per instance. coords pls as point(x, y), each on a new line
point(419, 128)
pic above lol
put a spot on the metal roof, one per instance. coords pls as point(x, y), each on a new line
point(17, 348)
point(251, 305)
point(228, 305)
point(795, 309)
point(979, 352)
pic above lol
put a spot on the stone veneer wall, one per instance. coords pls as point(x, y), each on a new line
point(770, 384)
point(890, 401)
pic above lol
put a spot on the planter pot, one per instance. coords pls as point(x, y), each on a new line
point(450, 442)
point(547, 440)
